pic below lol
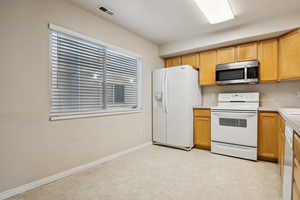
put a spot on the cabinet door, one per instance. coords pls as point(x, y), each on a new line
point(268, 136)
point(191, 59)
point(208, 61)
point(174, 61)
point(268, 58)
point(226, 55)
point(202, 132)
point(289, 56)
point(246, 51)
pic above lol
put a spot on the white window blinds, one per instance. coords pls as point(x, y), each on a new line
point(88, 77)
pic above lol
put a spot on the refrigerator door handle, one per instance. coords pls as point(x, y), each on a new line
point(163, 90)
point(166, 92)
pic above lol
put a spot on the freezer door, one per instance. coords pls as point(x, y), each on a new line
point(179, 102)
point(159, 114)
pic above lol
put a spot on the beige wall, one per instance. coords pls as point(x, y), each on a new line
point(31, 146)
point(273, 95)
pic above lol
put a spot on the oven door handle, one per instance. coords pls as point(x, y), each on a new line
point(234, 115)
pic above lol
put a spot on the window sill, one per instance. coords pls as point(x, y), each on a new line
point(88, 115)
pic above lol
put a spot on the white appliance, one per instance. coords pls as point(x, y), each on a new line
point(175, 92)
point(234, 125)
point(288, 164)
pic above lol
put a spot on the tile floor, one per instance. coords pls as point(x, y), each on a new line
point(160, 173)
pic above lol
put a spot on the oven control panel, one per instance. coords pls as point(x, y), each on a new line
point(239, 97)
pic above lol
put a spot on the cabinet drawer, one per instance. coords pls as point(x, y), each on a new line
point(202, 113)
point(296, 194)
point(297, 147)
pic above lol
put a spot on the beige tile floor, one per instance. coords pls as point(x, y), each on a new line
point(160, 173)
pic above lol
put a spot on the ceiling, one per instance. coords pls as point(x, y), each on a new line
point(165, 21)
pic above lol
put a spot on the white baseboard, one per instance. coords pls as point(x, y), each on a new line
point(23, 188)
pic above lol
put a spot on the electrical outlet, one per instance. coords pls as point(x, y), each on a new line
point(298, 94)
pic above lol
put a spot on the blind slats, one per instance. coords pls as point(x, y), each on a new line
point(90, 77)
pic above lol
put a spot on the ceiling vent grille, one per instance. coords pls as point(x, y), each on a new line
point(106, 10)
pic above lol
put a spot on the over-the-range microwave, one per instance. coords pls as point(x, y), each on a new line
point(239, 72)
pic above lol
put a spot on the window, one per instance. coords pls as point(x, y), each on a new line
point(88, 77)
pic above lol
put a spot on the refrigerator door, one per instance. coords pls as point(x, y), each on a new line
point(180, 82)
point(158, 100)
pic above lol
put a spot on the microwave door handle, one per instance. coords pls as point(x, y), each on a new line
point(245, 72)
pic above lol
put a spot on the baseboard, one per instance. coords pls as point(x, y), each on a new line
point(23, 188)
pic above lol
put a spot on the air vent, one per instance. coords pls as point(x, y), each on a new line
point(106, 10)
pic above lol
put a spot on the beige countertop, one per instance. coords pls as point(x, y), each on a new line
point(291, 116)
point(201, 107)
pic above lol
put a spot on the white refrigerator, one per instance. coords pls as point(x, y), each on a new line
point(175, 92)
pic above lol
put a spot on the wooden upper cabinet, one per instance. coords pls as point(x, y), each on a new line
point(208, 61)
point(246, 51)
point(289, 56)
point(268, 58)
point(174, 61)
point(190, 59)
point(268, 136)
point(226, 55)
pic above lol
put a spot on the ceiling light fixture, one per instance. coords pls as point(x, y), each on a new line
point(216, 11)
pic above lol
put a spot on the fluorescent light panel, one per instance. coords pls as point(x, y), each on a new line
point(216, 11)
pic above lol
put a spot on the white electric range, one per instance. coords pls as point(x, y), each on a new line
point(234, 125)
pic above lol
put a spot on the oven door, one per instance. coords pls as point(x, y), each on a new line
point(234, 127)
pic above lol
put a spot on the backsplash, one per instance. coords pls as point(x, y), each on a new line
point(274, 95)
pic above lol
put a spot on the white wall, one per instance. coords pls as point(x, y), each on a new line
point(31, 146)
point(272, 95)
point(244, 33)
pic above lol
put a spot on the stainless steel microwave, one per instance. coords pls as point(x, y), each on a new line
point(239, 72)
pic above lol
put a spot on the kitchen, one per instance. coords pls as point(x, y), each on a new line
point(150, 99)
point(242, 124)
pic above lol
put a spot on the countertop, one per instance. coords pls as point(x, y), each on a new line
point(291, 118)
point(290, 115)
point(271, 109)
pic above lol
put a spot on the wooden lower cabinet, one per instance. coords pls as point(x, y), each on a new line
point(296, 193)
point(268, 136)
point(202, 133)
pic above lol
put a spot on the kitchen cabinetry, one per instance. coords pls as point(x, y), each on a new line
point(202, 132)
point(268, 136)
point(296, 178)
point(191, 59)
point(226, 55)
point(208, 61)
point(174, 61)
point(281, 144)
point(279, 58)
point(289, 56)
point(268, 58)
point(246, 51)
